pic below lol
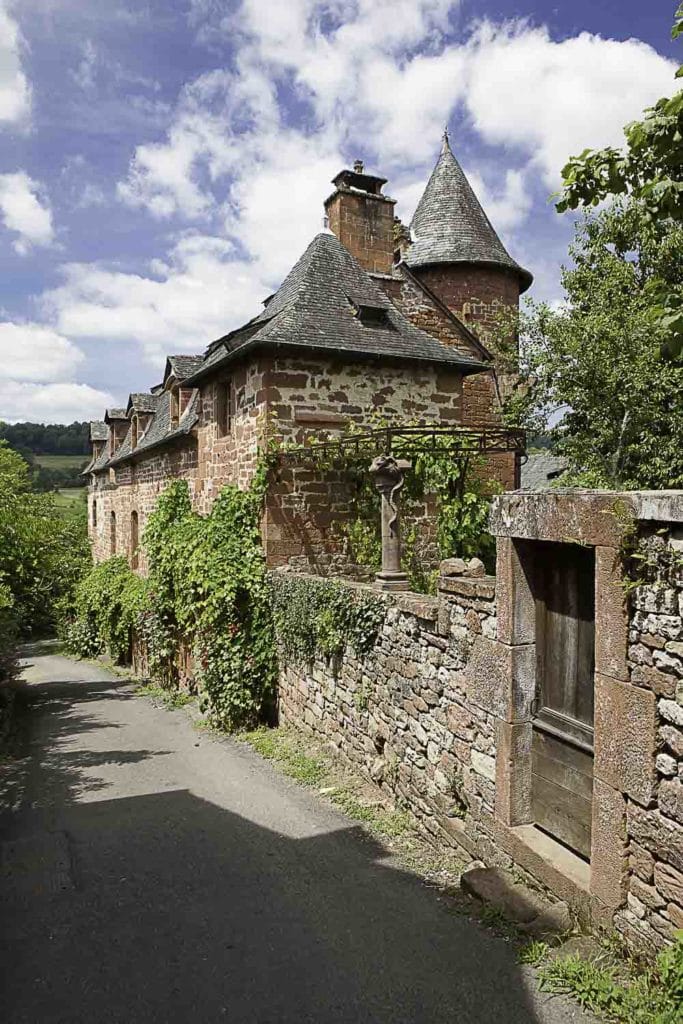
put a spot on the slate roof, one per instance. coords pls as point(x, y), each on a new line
point(159, 431)
point(539, 471)
point(320, 305)
point(115, 414)
point(450, 226)
point(182, 366)
point(99, 431)
point(142, 401)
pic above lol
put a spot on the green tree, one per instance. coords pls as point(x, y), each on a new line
point(592, 373)
point(649, 170)
point(43, 551)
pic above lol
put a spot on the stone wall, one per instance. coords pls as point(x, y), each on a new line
point(306, 506)
point(136, 488)
point(408, 716)
point(441, 714)
point(655, 821)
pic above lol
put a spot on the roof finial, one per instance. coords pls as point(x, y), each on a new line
point(446, 142)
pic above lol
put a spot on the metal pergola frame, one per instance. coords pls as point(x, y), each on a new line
point(455, 442)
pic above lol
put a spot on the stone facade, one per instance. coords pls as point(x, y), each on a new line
point(420, 364)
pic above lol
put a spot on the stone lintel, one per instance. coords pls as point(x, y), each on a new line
point(611, 614)
point(513, 773)
point(625, 737)
point(565, 516)
point(468, 586)
point(609, 857)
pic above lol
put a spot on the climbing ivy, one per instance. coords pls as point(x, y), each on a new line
point(107, 605)
point(206, 591)
point(458, 489)
point(318, 617)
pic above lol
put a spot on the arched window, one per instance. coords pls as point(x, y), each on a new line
point(133, 540)
point(112, 532)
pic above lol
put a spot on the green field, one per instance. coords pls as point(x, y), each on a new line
point(61, 461)
point(69, 497)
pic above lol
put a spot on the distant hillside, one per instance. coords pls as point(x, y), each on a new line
point(51, 439)
point(57, 452)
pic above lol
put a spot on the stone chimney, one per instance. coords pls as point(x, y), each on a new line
point(362, 218)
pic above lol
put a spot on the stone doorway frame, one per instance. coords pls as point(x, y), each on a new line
point(625, 715)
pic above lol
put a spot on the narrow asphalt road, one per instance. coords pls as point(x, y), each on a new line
point(152, 872)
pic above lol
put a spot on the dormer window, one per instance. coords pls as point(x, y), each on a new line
point(371, 316)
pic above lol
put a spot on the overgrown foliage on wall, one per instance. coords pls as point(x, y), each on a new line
point(316, 617)
point(453, 488)
point(206, 592)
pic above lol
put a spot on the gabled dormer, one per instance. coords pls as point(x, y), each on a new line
point(117, 424)
point(140, 411)
point(178, 369)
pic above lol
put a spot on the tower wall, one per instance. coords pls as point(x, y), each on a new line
point(477, 295)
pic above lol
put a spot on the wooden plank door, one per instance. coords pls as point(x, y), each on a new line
point(562, 746)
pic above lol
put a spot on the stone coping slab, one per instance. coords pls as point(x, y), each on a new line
point(580, 516)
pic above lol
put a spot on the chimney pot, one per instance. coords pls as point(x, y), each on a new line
point(358, 166)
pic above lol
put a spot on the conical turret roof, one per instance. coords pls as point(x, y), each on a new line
point(450, 226)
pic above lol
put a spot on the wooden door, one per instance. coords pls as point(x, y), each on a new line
point(562, 747)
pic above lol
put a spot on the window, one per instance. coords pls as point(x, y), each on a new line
point(94, 513)
point(134, 428)
point(134, 540)
point(112, 532)
point(224, 407)
point(175, 408)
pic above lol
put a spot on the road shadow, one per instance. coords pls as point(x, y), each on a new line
point(180, 910)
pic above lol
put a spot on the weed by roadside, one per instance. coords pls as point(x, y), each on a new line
point(169, 698)
point(615, 986)
point(294, 755)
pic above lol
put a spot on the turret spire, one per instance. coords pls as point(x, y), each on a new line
point(450, 226)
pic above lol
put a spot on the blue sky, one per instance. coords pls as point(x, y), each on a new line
point(163, 162)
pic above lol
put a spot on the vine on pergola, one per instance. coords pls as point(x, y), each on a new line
point(448, 463)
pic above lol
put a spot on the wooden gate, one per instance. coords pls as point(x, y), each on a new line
point(562, 748)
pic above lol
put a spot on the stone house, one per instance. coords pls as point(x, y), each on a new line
point(372, 321)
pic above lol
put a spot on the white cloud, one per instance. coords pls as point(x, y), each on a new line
point(32, 352)
point(84, 74)
point(24, 211)
point(552, 100)
point(376, 79)
point(51, 403)
point(15, 92)
point(202, 290)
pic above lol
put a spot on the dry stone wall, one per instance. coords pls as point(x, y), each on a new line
point(408, 715)
point(655, 824)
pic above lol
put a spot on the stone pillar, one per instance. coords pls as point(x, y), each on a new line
point(388, 475)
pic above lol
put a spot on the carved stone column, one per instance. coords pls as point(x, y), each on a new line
point(388, 474)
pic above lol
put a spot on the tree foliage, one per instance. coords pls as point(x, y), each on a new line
point(649, 170)
point(43, 550)
point(594, 367)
